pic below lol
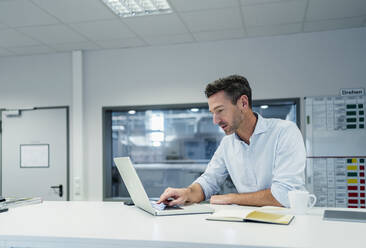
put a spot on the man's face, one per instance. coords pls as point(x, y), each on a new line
point(225, 114)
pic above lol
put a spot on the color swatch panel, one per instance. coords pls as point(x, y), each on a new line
point(339, 182)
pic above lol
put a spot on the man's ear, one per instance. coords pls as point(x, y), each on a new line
point(243, 101)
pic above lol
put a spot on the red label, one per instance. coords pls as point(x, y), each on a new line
point(353, 201)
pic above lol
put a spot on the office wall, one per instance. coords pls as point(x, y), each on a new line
point(277, 67)
point(34, 81)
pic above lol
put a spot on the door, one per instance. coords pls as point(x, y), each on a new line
point(35, 153)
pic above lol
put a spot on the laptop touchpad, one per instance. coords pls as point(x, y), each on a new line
point(176, 207)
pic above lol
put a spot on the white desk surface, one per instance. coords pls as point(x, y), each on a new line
point(112, 224)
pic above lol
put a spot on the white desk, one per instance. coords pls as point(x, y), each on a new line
point(111, 224)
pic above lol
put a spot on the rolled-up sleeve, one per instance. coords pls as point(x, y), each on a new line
point(214, 175)
point(289, 164)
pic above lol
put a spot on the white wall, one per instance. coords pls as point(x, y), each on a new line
point(35, 81)
point(277, 67)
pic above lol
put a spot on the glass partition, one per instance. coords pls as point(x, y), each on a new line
point(165, 136)
point(169, 145)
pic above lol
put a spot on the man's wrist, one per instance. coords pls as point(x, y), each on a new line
point(189, 191)
point(232, 198)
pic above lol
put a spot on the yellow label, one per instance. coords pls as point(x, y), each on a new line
point(352, 180)
point(352, 167)
point(354, 161)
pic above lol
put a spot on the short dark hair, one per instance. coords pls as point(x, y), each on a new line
point(234, 86)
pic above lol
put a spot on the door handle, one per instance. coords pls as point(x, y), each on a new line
point(60, 189)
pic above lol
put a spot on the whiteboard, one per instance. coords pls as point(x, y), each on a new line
point(335, 126)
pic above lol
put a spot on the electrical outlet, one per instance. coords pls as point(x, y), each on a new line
point(77, 186)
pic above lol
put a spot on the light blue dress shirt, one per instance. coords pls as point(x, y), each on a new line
point(275, 159)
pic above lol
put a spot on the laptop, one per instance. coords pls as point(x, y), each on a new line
point(344, 215)
point(140, 198)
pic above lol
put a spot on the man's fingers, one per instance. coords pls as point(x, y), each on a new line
point(173, 196)
point(165, 196)
point(174, 202)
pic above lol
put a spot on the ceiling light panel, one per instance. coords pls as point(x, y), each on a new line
point(128, 8)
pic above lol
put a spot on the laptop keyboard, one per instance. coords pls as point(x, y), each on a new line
point(156, 206)
point(162, 206)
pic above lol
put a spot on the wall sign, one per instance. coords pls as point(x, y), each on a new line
point(34, 155)
point(352, 92)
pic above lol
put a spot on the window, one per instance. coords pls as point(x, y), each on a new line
point(169, 145)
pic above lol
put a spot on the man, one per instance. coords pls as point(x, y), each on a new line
point(265, 158)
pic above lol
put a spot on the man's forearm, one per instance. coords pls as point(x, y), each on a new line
point(195, 193)
point(259, 198)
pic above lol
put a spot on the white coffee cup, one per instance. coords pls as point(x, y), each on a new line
point(300, 201)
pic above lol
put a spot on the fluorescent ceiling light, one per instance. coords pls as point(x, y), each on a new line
point(132, 112)
point(264, 106)
point(156, 122)
point(118, 128)
point(156, 143)
point(157, 136)
point(194, 109)
point(127, 8)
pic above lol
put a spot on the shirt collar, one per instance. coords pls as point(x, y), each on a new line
point(260, 127)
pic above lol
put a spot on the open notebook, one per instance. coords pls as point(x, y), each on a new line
point(273, 215)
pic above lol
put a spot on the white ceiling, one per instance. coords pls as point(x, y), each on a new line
point(48, 26)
